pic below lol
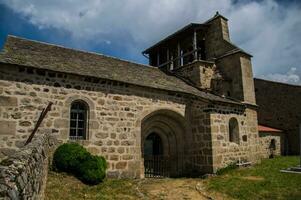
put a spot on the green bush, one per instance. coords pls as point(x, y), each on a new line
point(92, 170)
point(75, 159)
point(69, 156)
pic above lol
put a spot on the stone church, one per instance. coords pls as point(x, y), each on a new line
point(191, 110)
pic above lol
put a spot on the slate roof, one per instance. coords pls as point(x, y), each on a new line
point(41, 55)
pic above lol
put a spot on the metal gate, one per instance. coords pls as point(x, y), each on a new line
point(156, 166)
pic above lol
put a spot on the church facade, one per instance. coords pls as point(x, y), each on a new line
point(191, 110)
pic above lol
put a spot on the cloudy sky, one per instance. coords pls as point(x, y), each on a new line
point(268, 29)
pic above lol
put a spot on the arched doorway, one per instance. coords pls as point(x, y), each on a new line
point(153, 156)
point(162, 143)
point(153, 145)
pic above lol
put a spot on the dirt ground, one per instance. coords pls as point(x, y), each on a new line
point(171, 189)
point(128, 189)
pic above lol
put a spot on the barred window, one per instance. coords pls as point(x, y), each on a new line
point(78, 120)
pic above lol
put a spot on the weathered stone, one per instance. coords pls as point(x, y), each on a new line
point(121, 165)
point(120, 150)
point(20, 143)
point(94, 125)
point(8, 101)
point(101, 102)
point(114, 157)
point(8, 127)
point(113, 174)
point(127, 143)
point(102, 135)
point(93, 150)
point(25, 170)
point(25, 123)
point(61, 123)
point(98, 143)
point(117, 98)
point(123, 136)
point(16, 115)
point(127, 157)
point(7, 151)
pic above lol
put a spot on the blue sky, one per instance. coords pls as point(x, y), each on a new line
point(270, 30)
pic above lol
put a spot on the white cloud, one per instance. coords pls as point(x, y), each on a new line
point(266, 29)
point(290, 77)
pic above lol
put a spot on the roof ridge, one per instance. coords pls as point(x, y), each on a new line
point(276, 82)
point(78, 50)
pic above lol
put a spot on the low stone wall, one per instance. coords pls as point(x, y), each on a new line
point(23, 175)
point(265, 141)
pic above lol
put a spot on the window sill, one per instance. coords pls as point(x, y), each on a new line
point(81, 142)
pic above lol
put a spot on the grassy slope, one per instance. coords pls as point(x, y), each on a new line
point(61, 186)
point(263, 181)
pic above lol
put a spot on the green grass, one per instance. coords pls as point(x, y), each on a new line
point(263, 181)
point(61, 186)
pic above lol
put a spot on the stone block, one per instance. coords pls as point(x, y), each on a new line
point(102, 135)
point(8, 127)
point(8, 101)
point(94, 125)
point(112, 174)
point(7, 151)
point(61, 123)
point(25, 123)
point(121, 165)
point(127, 157)
point(114, 157)
point(93, 150)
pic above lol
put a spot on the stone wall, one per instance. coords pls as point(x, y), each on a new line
point(217, 38)
point(23, 174)
point(265, 139)
point(116, 115)
point(115, 112)
point(200, 73)
point(233, 66)
point(246, 149)
point(279, 107)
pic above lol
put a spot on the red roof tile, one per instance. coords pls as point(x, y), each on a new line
point(262, 128)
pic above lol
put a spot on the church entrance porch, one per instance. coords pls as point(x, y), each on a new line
point(163, 144)
point(155, 163)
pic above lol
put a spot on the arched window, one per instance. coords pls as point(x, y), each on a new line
point(233, 131)
point(78, 120)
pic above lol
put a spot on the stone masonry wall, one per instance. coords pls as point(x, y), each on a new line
point(279, 107)
point(115, 112)
point(199, 72)
point(265, 139)
point(225, 151)
point(23, 174)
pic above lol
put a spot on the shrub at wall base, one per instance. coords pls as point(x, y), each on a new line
point(75, 159)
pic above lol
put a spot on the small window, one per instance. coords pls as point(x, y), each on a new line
point(228, 93)
point(273, 144)
point(233, 131)
point(78, 120)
